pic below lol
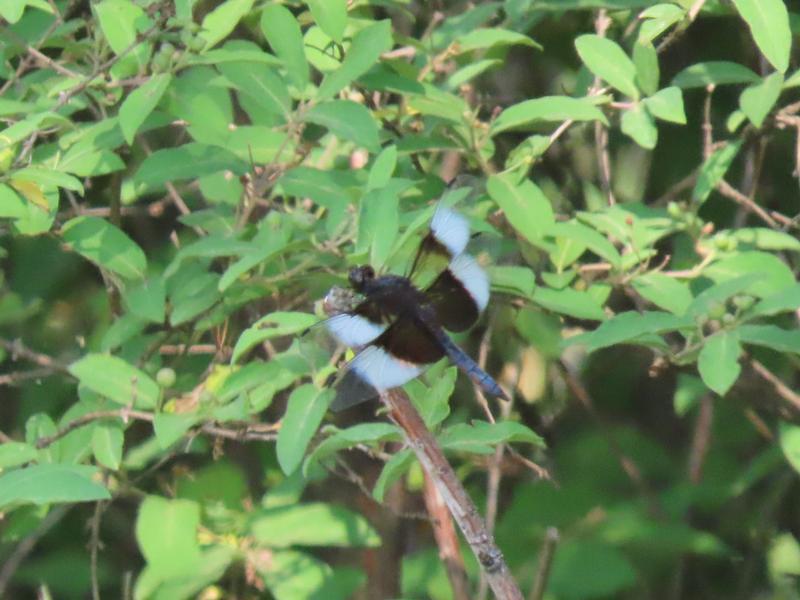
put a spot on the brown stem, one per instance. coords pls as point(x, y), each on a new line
point(727, 190)
point(245, 432)
point(701, 439)
point(546, 554)
point(783, 390)
point(447, 541)
point(435, 465)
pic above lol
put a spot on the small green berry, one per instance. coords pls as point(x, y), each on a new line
point(167, 49)
point(166, 377)
point(716, 310)
point(674, 210)
point(743, 301)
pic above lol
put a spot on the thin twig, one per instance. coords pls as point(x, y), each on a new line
point(681, 28)
point(783, 390)
point(242, 432)
point(94, 547)
point(546, 554)
point(727, 190)
point(435, 465)
point(701, 440)
point(19, 350)
point(25, 547)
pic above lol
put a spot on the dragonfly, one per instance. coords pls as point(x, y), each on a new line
point(398, 324)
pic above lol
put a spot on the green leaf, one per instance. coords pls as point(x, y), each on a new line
point(186, 162)
point(770, 336)
point(285, 526)
point(113, 378)
point(146, 299)
point(166, 531)
point(140, 103)
point(275, 243)
point(194, 297)
point(12, 206)
point(716, 73)
point(367, 47)
point(480, 437)
point(107, 440)
point(50, 484)
point(13, 454)
point(121, 22)
point(214, 561)
point(768, 21)
point(588, 237)
point(657, 19)
point(394, 468)
point(570, 302)
point(789, 439)
point(382, 168)
point(13, 11)
point(784, 300)
point(105, 245)
point(608, 61)
point(629, 326)
point(363, 433)
point(525, 206)
point(667, 105)
point(171, 427)
point(379, 223)
point(757, 100)
point(432, 401)
point(638, 124)
point(484, 38)
point(718, 362)
point(84, 161)
point(286, 39)
point(764, 238)
point(261, 85)
point(347, 120)
point(472, 70)
point(663, 291)
point(48, 178)
point(719, 293)
point(548, 108)
point(773, 274)
point(648, 74)
point(520, 281)
point(223, 19)
point(304, 412)
point(273, 325)
point(290, 575)
point(713, 170)
point(331, 16)
point(322, 187)
point(688, 393)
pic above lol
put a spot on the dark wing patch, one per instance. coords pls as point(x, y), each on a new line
point(407, 340)
point(455, 308)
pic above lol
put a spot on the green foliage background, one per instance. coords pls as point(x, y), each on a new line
point(180, 182)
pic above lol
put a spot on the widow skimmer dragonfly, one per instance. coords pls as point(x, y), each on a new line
point(398, 322)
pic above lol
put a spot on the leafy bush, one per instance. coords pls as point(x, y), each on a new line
point(180, 183)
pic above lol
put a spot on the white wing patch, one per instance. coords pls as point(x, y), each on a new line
point(381, 370)
point(354, 330)
point(450, 229)
point(472, 276)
